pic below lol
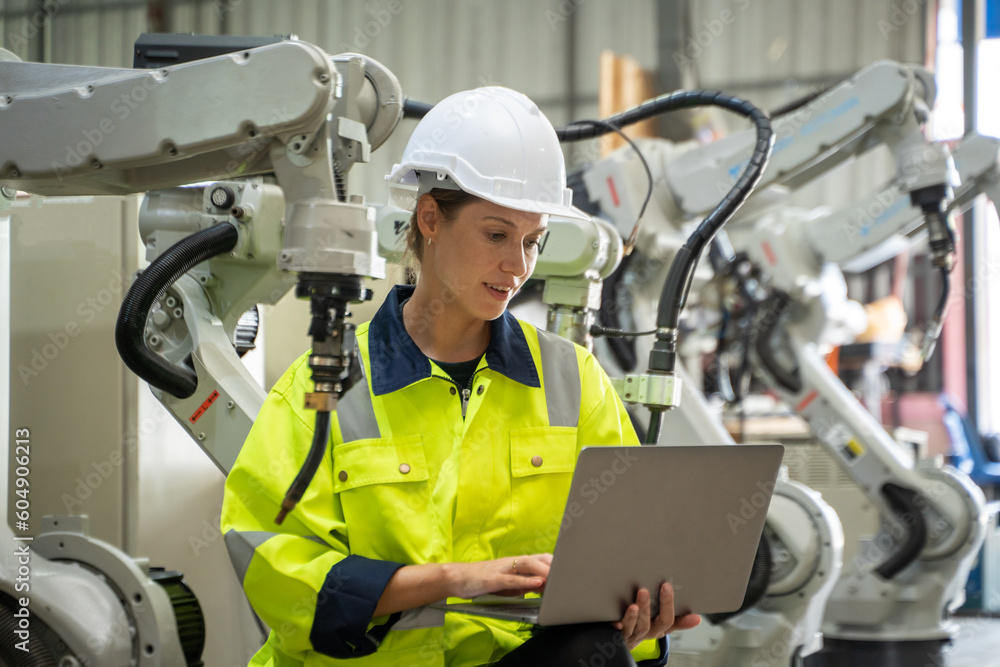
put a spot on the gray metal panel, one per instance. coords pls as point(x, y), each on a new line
point(71, 261)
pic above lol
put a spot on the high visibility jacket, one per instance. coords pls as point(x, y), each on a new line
point(418, 471)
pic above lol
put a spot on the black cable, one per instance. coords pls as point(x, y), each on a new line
point(597, 330)
point(317, 451)
point(790, 380)
point(906, 504)
point(147, 289)
point(681, 272)
point(611, 127)
point(942, 304)
point(415, 109)
point(799, 102)
point(614, 291)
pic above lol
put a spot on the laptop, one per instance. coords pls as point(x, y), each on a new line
point(640, 516)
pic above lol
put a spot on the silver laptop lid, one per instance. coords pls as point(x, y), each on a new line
point(639, 516)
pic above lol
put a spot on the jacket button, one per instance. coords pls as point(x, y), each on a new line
point(480, 390)
point(536, 461)
point(454, 391)
point(404, 468)
point(342, 476)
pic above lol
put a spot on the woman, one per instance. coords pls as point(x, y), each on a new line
point(451, 462)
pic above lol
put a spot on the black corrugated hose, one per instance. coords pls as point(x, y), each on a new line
point(906, 503)
point(150, 286)
point(675, 289)
point(789, 379)
point(321, 435)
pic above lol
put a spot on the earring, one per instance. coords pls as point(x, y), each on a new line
point(429, 241)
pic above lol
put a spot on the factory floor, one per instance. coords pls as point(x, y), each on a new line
point(977, 644)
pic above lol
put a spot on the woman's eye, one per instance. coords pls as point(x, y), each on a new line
point(531, 243)
point(496, 236)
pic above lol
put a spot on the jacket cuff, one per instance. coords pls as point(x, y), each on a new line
point(345, 605)
point(664, 644)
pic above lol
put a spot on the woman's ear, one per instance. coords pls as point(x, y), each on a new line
point(428, 215)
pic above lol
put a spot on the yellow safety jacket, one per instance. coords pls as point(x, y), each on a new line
point(418, 471)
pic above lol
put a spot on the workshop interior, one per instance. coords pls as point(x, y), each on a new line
point(792, 201)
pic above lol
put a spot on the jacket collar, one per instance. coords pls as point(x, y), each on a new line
point(397, 362)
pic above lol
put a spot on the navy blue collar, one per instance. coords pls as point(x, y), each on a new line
point(397, 362)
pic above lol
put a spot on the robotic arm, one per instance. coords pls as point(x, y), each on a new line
point(238, 239)
point(933, 516)
point(288, 109)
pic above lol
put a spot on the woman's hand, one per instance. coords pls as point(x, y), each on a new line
point(637, 626)
point(504, 576)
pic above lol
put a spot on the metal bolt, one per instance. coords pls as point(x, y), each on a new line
point(230, 405)
point(323, 78)
point(201, 436)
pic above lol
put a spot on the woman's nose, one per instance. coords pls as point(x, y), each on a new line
point(515, 262)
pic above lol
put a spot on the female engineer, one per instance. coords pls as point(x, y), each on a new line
point(450, 463)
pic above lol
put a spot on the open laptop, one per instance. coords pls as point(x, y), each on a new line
point(640, 516)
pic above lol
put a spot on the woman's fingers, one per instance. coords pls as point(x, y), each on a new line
point(627, 624)
point(536, 565)
point(664, 621)
point(642, 622)
point(686, 622)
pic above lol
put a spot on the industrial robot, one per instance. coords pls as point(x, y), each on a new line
point(215, 251)
point(889, 606)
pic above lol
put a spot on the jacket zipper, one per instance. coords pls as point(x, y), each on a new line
point(466, 393)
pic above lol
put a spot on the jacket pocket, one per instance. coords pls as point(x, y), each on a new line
point(542, 460)
point(382, 484)
point(378, 461)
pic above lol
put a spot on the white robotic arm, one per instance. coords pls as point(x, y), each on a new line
point(286, 109)
point(885, 103)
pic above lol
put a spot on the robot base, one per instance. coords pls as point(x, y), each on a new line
point(858, 653)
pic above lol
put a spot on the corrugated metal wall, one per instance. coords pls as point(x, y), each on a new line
point(768, 50)
point(773, 51)
point(434, 48)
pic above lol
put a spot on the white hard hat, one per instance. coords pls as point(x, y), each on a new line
point(491, 142)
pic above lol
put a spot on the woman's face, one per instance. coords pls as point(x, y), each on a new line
point(480, 259)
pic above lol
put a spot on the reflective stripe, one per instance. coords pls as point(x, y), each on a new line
point(355, 413)
point(561, 379)
point(242, 545)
